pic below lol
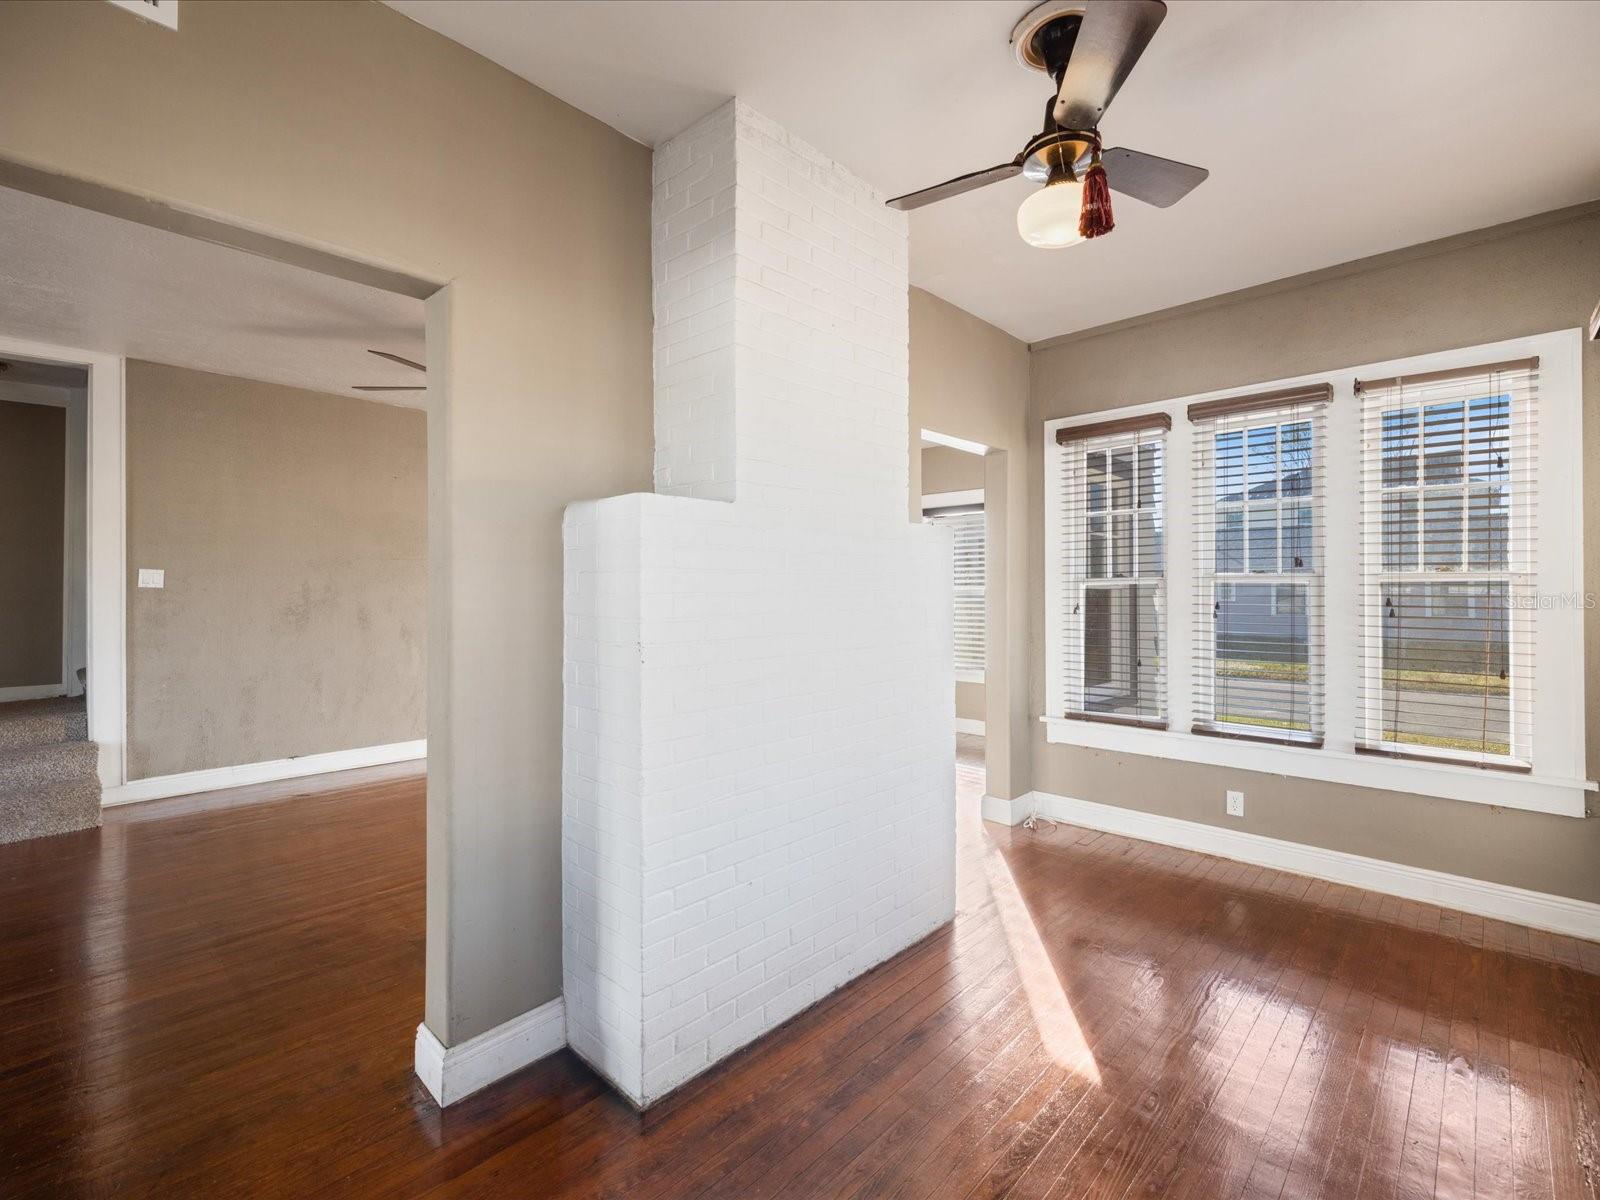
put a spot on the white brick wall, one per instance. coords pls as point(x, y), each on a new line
point(692, 269)
point(758, 770)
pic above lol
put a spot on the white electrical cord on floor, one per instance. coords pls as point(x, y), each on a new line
point(1033, 820)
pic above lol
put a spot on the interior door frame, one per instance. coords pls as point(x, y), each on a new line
point(106, 598)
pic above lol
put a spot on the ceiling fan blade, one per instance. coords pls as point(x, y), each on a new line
point(357, 387)
point(954, 187)
point(1159, 181)
point(1111, 37)
point(404, 362)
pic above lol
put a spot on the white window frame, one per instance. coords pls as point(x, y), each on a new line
point(1202, 659)
point(1557, 783)
point(1070, 694)
point(1516, 575)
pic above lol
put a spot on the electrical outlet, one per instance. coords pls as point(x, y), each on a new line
point(1236, 804)
point(152, 577)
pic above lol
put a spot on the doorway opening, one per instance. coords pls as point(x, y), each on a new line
point(953, 495)
point(239, 494)
point(48, 767)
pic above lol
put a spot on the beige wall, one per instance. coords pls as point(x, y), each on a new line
point(292, 527)
point(970, 380)
point(33, 456)
point(1533, 277)
point(345, 126)
point(970, 704)
point(947, 470)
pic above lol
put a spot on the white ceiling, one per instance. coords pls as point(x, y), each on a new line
point(1333, 130)
point(81, 279)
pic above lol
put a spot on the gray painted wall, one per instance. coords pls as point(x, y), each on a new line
point(292, 527)
point(1530, 277)
point(33, 458)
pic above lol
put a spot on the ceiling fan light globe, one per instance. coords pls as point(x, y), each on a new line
point(1048, 219)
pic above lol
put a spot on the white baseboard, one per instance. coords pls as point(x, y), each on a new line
point(1004, 812)
point(968, 725)
point(161, 786)
point(453, 1072)
point(1502, 902)
point(32, 691)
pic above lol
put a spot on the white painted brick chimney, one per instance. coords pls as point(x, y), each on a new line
point(758, 768)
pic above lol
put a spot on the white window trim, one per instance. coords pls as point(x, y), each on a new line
point(951, 499)
point(1557, 784)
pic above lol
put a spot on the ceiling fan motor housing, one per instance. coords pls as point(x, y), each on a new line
point(1064, 154)
point(1053, 44)
point(1044, 38)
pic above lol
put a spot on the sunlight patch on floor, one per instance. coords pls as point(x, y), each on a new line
point(1052, 1012)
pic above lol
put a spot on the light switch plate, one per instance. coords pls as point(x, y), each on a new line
point(1236, 804)
point(152, 577)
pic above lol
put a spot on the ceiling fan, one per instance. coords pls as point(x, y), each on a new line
point(404, 362)
point(1088, 47)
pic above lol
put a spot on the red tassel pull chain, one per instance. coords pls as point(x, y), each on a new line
point(1096, 218)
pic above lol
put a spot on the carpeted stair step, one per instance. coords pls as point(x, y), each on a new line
point(26, 723)
point(48, 789)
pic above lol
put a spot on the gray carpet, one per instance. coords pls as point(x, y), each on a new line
point(48, 781)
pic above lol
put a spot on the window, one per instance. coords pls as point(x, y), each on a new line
point(1378, 577)
point(1258, 518)
point(1448, 568)
point(1113, 656)
point(966, 524)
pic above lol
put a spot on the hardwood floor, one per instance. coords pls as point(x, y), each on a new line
point(218, 1001)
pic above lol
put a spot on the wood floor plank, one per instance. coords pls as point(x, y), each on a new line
point(1359, 1028)
point(1063, 1157)
point(216, 997)
point(1302, 1088)
point(1530, 1132)
point(1465, 1071)
point(1222, 1148)
point(1384, 1148)
point(1179, 1085)
point(1036, 1129)
point(1419, 1157)
point(1492, 1147)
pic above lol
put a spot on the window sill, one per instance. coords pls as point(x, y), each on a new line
point(969, 676)
point(1532, 793)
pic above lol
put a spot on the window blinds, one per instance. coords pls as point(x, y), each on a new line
point(971, 629)
point(1259, 495)
point(1447, 564)
point(1113, 560)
